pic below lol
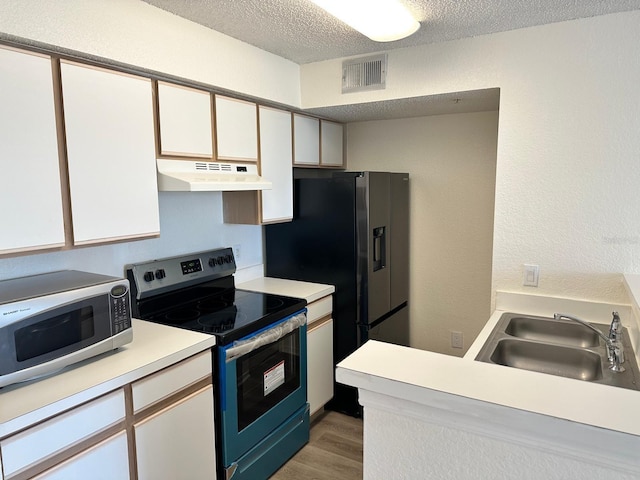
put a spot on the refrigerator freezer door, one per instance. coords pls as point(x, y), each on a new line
point(394, 329)
point(376, 281)
point(399, 239)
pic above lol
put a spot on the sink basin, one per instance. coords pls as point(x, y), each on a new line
point(553, 331)
point(545, 358)
point(557, 347)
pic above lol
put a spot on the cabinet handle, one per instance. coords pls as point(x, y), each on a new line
point(319, 323)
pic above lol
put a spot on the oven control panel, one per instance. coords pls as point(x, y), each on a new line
point(191, 266)
point(163, 275)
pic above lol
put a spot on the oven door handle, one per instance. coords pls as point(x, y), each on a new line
point(271, 335)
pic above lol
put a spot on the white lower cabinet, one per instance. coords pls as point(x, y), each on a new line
point(178, 441)
point(28, 450)
point(319, 364)
point(162, 423)
point(108, 460)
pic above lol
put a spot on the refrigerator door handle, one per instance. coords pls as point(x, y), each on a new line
point(379, 248)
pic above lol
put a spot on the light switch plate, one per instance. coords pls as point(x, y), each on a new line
point(531, 275)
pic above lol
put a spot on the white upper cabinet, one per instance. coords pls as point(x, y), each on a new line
point(184, 117)
point(317, 143)
point(31, 211)
point(236, 129)
point(306, 140)
point(275, 162)
point(331, 144)
point(111, 154)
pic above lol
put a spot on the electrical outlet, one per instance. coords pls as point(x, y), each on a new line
point(236, 252)
point(457, 340)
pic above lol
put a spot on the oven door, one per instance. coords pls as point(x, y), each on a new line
point(263, 383)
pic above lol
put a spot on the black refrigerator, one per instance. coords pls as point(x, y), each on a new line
point(350, 230)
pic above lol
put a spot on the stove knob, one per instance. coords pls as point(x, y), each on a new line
point(160, 274)
point(148, 276)
point(220, 260)
point(228, 258)
point(212, 262)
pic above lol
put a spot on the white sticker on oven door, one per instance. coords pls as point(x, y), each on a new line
point(273, 378)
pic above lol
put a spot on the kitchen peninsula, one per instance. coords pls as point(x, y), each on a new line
point(429, 415)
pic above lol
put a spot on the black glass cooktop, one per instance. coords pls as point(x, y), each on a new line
point(227, 313)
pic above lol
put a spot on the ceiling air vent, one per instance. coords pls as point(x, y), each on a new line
point(360, 74)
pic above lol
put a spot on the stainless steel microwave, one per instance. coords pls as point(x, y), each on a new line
point(53, 320)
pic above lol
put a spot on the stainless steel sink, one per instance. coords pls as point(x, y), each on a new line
point(548, 330)
point(551, 359)
point(557, 347)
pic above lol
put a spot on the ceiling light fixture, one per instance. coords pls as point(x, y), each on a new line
point(380, 20)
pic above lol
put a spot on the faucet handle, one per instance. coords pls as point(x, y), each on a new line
point(615, 330)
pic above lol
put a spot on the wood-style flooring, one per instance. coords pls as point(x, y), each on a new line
point(334, 451)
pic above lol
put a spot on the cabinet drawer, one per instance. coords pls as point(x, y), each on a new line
point(160, 385)
point(35, 444)
point(319, 308)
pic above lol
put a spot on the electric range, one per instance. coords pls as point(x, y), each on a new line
point(259, 362)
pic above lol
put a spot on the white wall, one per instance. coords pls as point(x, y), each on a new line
point(135, 33)
point(567, 195)
point(451, 162)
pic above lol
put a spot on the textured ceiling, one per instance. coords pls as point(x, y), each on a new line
point(300, 31)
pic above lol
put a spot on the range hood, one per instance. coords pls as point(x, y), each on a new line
point(197, 176)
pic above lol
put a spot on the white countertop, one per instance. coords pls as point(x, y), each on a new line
point(154, 347)
point(410, 373)
point(290, 288)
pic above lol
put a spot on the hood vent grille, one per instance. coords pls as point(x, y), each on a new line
point(361, 74)
point(214, 167)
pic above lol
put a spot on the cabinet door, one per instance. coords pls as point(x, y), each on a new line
point(275, 162)
point(108, 460)
point(319, 364)
point(111, 154)
point(236, 129)
point(331, 144)
point(184, 116)
point(31, 211)
point(306, 140)
point(178, 442)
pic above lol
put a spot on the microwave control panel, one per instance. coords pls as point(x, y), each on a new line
point(120, 308)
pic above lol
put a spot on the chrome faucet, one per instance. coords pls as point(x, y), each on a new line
point(615, 350)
